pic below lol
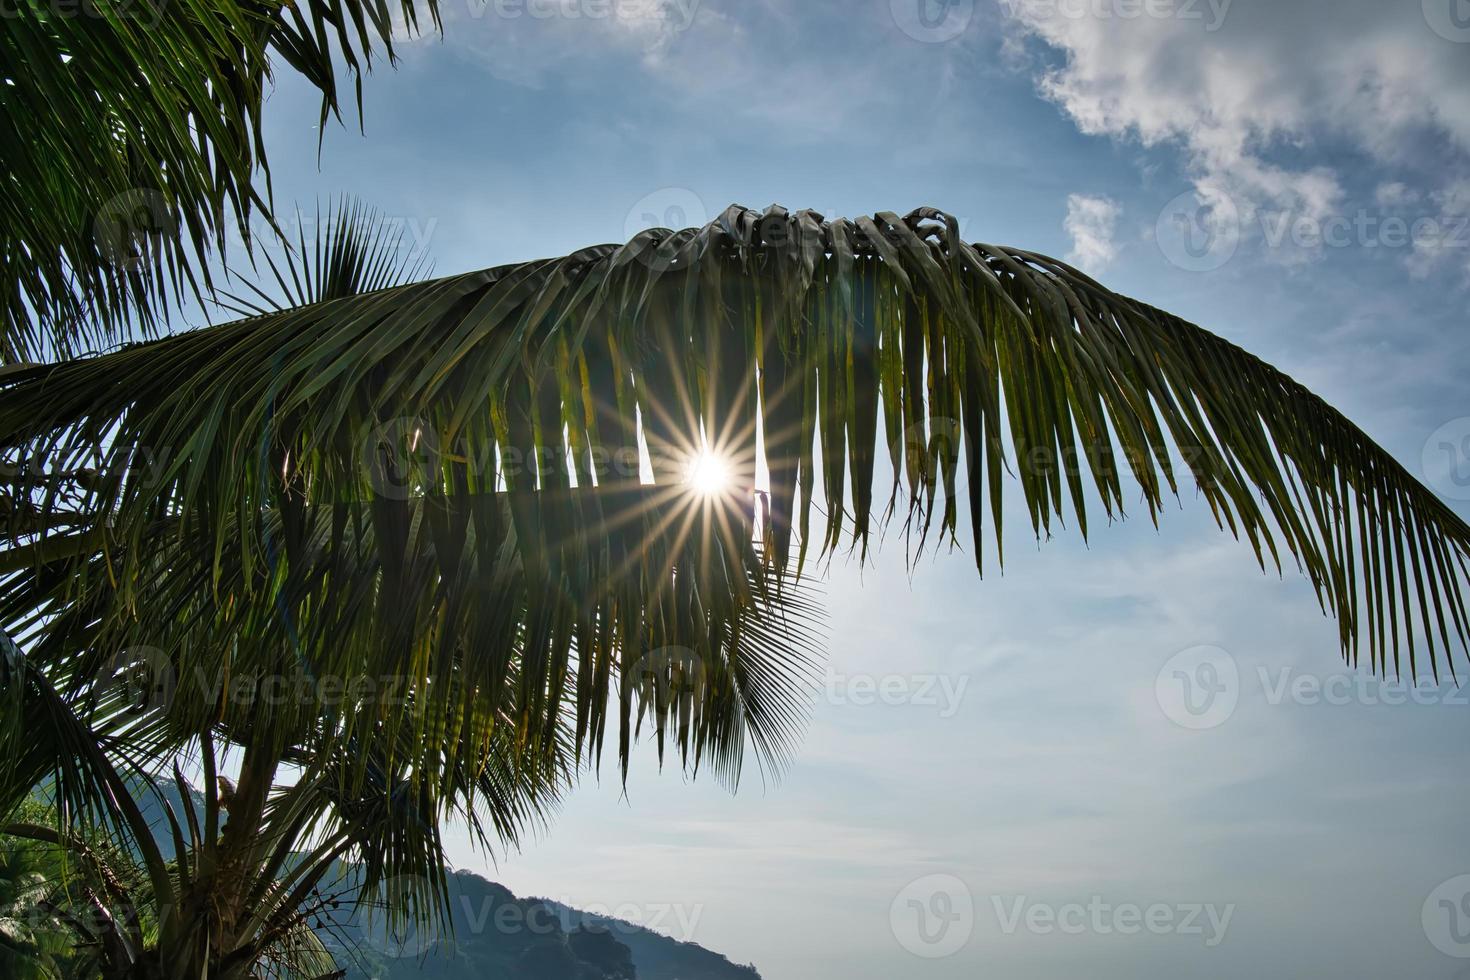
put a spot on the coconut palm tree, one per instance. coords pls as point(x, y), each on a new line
point(531, 496)
point(337, 763)
point(77, 904)
point(234, 879)
point(132, 146)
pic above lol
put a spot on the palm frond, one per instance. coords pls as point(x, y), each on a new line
point(133, 147)
point(368, 587)
point(450, 468)
point(63, 743)
point(448, 617)
point(353, 250)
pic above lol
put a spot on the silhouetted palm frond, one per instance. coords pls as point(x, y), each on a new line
point(133, 147)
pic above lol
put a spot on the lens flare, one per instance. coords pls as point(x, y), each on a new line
point(709, 474)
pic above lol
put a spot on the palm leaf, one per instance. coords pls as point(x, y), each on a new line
point(440, 472)
point(626, 620)
point(63, 742)
point(133, 145)
point(376, 793)
point(354, 250)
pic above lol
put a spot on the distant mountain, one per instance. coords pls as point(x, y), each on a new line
point(500, 937)
point(496, 936)
point(153, 811)
point(659, 957)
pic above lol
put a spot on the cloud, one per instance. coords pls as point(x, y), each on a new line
point(531, 42)
point(1394, 194)
point(1255, 92)
point(1444, 239)
point(1090, 222)
point(723, 59)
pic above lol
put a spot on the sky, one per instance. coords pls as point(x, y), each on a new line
point(1134, 757)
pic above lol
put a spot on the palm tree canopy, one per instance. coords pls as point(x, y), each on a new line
point(383, 745)
point(133, 145)
point(448, 471)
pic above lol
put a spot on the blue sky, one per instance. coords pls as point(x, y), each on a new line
point(1292, 175)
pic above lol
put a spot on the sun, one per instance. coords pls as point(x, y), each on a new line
point(709, 474)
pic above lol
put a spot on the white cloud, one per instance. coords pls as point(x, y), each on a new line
point(1091, 222)
point(528, 42)
point(1252, 91)
point(724, 59)
point(1395, 194)
point(1443, 239)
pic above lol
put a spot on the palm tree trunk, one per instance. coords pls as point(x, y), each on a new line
point(213, 908)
